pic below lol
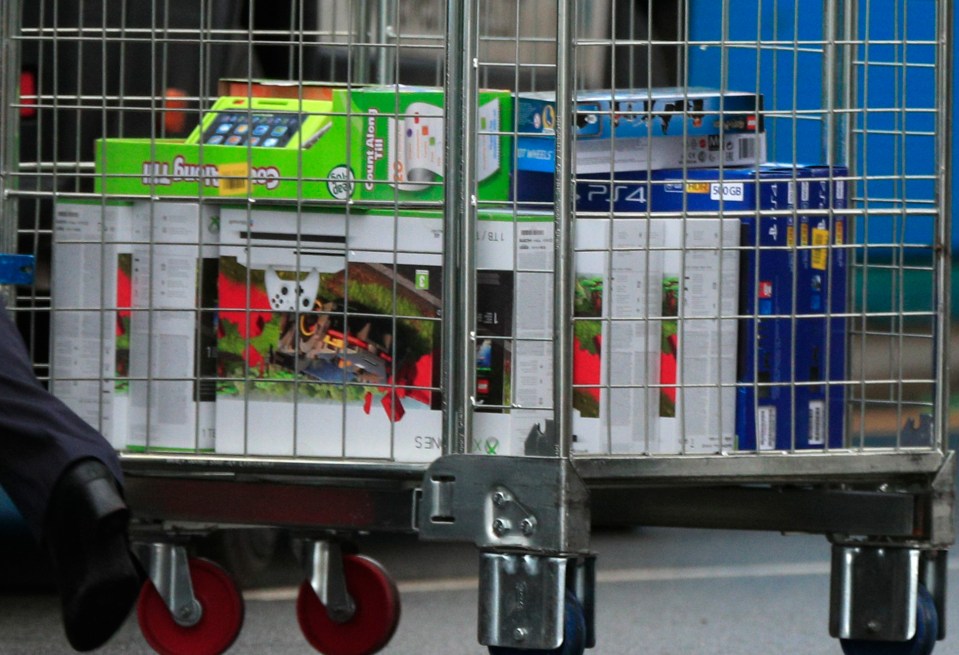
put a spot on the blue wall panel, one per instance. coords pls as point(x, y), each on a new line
point(894, 76)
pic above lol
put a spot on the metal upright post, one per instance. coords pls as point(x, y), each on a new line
point(944, 122)
point(529, 516)
point(459, 281)
point(837, 79)
point(10, 13)
point(563, 280)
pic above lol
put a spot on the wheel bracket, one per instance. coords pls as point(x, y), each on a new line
point(324, 568)
point(168, 568)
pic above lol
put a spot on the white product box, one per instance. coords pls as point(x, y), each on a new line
point(90, 328)
point(173, 340)
point(707, 269)
point(658, 374)
point(656, 335)
point(593, 156)
point(283, 272)
point(312, 361)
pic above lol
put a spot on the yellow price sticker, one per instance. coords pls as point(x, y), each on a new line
point(234, 179)
point(820, 255)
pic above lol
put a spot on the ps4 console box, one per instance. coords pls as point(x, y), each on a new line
point(90, 290)
point(173, 326)
point(821, 298)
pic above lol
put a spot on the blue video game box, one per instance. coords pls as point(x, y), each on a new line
point(777, 405)
point(821, 297)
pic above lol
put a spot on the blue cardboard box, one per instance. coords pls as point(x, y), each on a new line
point(821, 296)
point(792, 294)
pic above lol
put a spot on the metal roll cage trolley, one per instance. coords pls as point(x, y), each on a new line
point(889, 513)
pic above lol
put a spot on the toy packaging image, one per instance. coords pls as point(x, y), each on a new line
point(91, 286)
point(363, 143)
point(320, 353)
point(263, 123)
point(667, 111)
point(262, 147)
point(173, 331)
point(398, 142)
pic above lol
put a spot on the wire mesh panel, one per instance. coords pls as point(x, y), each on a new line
point(243, 225)
point(487, 270)
point(800, 247)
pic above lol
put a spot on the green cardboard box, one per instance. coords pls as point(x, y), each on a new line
point(398, 145)
point(382, 143)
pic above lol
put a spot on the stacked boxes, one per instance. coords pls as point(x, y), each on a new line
point(786, 339)
point(314, 329)
point(655, 335)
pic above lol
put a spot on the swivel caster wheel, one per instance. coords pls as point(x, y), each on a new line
point(574, 633)
point(372, 625)
point(222, 614)
point(922, 643)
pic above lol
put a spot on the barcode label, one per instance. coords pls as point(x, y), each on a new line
point(817, 422)
point(747, 148)
point(766, 427)
point(234, 179)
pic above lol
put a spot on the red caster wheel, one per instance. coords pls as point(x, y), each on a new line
point(371, 627)
point(218, 627)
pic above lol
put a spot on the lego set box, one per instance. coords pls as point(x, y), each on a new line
point(640, 130)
